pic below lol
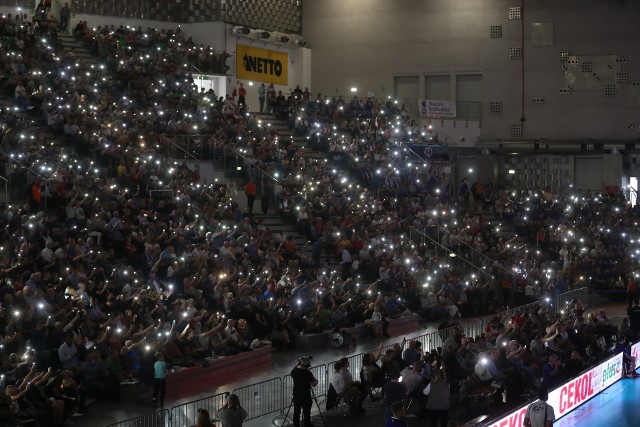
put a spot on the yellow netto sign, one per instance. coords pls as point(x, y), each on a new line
point(261, 65)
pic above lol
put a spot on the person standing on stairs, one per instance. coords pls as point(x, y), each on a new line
point(262, 92)
point(41, 10)
point(271, 95)
point(65, 13)
point(242, 93)
point(264, 198)
point(250, 191)
point(346, 263)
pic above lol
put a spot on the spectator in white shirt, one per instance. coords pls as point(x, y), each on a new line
point(376, 322)
point(233, 337)
point(47, 253)
point(346, 390)
point(347, 261)
point(68, 353)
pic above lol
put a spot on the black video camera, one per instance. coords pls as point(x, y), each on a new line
point(305, 361)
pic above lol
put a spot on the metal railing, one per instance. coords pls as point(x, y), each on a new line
point(213, 63)
point(440, 248)
point(474, 252)
point(185, 151)
point(273, 396)
point(29, 169)
point(6, 190)
point(187, 413)
point(263, 398)
point(565, 299)
point(159, 418)
point(234, 163)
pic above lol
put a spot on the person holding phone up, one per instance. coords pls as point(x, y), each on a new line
point(232, 414)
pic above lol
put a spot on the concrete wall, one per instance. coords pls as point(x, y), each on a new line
point(534, 171)
point(365, 43)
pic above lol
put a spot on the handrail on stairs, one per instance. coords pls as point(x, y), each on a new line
point(450, 252)
point(262, 171)
point(474, 250)
point(163, 136)
point(28, 168)
point(6, 189)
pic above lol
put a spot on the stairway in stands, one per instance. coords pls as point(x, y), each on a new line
point(82, 53)
point(273, 219)
point(34, 123)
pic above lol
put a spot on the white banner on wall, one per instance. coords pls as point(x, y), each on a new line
point(435, 108)
point(635, 352)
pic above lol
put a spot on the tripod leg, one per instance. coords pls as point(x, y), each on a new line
point(315, 399)
point(286, 417)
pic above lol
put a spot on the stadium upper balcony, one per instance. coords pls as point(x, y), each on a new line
point(272, 15)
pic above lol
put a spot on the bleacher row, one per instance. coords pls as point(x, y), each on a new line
point(273, 15)
point(188, 11)
point(398, 326)
point(276, 15)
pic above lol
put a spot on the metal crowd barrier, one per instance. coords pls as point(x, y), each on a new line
point(187, 413)
point(262, 398)
point(564, 299)
point(274, 395)
point(159, 418)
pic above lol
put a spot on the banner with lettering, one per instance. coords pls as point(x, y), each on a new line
point(436, 108)
point(573, 393)
point(578, 390)
point(635, 352)
point(261, 65)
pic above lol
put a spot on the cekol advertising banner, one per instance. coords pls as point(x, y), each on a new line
point(635, 352)
point(434, 108)
point(574, 393)
point(262, 65)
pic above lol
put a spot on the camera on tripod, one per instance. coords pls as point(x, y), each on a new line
point(305, 361)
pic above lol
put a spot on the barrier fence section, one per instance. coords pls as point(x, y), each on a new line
point(274, 395)
point(159, 418)
point(564, 299)
point(186, 414)
point(262, 398)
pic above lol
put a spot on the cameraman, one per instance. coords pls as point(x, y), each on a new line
point(303, 380)
point(232, 414)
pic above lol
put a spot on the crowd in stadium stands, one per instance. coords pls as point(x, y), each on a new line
point(102, 275)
